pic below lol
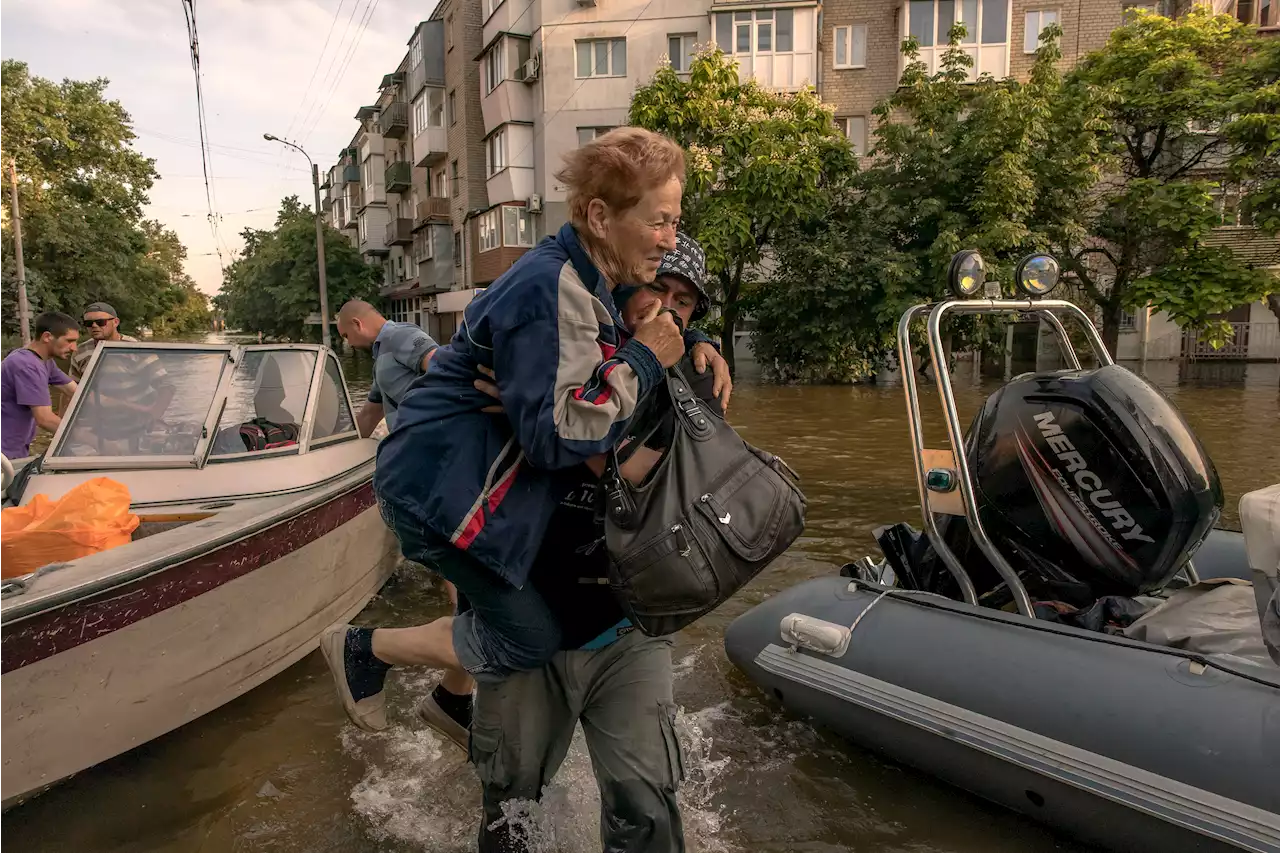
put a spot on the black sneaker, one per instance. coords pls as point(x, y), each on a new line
point(359, 676)
point(452, 721)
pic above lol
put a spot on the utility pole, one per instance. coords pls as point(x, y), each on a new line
point(24, 308)
point(320, 264)
point(324, 285)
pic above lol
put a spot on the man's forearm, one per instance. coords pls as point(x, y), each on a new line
point(48, 421)
point(367, 419)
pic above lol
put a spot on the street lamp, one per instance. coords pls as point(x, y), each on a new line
point(315, 185)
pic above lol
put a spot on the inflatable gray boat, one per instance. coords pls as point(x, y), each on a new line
point(1048, 642)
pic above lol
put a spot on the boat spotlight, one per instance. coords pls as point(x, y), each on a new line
point(1038, 275)
point(967, 273)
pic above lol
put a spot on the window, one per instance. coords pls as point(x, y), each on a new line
point(769, 30)
point(453, 108)
point(986, 24)
point(453, 177)
point(442, 184)
point(448, 33)
point(516, 228)
point(586, 134)
point(364, 228)
point(855, 130)
point(415, 52)
point(495, 152)
point(850, 46)
point(368, 173)
point(1127, 320)
point(435, 108)
point(602, 58)
point(419, 116)
point(457, 248)
point(423, 249)
point(332, 411)
point(495, 64)
point(1232, 212)
point(488, 6)
point(1037, 22)
point(680, 50)
point(487, 226)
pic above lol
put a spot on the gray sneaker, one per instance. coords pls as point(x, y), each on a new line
point(360, 678)
point(430, 712)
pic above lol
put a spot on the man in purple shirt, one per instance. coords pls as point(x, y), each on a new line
point(25, 378)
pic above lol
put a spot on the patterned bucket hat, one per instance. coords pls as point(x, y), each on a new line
point(689, 262)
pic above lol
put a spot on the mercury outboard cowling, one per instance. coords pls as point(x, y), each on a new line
point(1089, 482)
point(1091, 478)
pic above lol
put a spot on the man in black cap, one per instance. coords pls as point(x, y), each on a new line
point(102, 324)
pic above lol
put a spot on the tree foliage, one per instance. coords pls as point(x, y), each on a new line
point(81, 189)
point(1110, 167)
point(1189, 107)
point(760, 163)
point(273, 285)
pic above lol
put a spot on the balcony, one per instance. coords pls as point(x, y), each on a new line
point(399, 177)
point(433, 209)
point(400, 232)
point(351, 174)
point(431, 146)
point(394, 120)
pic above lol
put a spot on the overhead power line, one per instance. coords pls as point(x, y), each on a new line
point(342, 71)
point(193, 39)
point(306, 92)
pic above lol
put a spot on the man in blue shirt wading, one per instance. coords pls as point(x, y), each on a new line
point(401, 353)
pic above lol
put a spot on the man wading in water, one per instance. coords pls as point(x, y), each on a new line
point(471, 494)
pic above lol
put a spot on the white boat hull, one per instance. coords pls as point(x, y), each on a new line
point(213, 626)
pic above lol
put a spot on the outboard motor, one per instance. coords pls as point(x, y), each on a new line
point(1092, 480)
point(1076, 486)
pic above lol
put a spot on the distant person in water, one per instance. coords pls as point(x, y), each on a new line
point(26, 376)
point(401, 353)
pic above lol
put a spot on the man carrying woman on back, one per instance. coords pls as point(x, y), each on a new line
point(472, 494)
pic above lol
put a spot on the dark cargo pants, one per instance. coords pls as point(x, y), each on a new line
point(622, 694)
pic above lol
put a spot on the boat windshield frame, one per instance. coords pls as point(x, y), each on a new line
point(201, 454)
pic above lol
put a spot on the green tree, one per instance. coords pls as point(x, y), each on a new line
point(991, 165)
point(760, 163)
point(1190, 106)
point(828, 313)
point(994, 165)
point(82, 188)
point(274, 285)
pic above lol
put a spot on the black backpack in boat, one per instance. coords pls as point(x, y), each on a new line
point(262, 434)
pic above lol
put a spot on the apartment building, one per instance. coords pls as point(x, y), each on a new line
point(556, 74)
point(861, 44)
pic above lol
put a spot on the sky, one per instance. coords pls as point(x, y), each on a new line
point(265, 69)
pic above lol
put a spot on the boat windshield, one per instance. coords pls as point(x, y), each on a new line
point(142, 401)
point(266, 402)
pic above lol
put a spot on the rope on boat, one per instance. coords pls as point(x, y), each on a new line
point(886, 594)
point(18, 586)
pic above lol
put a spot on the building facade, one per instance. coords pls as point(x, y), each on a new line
point(450, 175)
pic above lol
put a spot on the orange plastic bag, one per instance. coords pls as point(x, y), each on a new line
point(92, 517)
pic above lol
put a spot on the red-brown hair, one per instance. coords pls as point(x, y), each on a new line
point(618, 168)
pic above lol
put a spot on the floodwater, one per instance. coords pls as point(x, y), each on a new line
point(280, 769)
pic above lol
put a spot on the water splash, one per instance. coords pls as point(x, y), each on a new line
point(418, 793)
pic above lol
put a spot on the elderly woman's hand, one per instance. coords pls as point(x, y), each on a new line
point(489, 388)
point(705, 354)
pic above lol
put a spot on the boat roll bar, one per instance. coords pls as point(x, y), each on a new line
point(942, 475)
